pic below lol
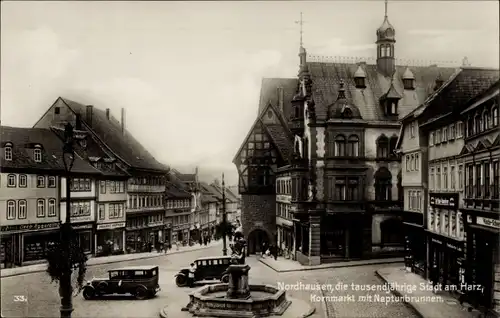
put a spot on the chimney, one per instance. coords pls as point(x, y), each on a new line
point(78, 122)
point(280, 99)
point(123, 120)
point(88, 115)
point(107, 113)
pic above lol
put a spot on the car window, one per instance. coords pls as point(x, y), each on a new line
point(153, 272)
point(113, 274)
point(139, 273)
point(225, 261)
point(216, 262)
point(204, 263)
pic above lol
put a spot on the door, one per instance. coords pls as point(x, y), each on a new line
point(485, 252)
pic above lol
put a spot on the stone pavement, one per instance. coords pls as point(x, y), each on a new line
point(7, 272)
point(444, 305)
point(282, 265)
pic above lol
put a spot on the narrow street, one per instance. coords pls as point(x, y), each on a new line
point(43, 299)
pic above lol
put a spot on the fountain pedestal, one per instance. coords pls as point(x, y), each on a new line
point(238, 287)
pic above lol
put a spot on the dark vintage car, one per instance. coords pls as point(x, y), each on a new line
point(207, 268)
point(139, 281)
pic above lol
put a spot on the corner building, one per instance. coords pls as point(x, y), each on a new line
point(333, 130)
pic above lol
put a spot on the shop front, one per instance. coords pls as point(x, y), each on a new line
point(483, 259)
point(27, 243)
point(180, 234)
point(145, 239)
point(109, 238)
point(415, 243)
point(448, 255)
point(85, 236)
point(195, 232)
point(285, 236)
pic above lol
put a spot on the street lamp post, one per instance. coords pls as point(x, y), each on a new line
point(224, 218)
point(65, 287)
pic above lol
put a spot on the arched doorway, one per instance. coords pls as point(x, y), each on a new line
point(391, 230)
point(255, 240)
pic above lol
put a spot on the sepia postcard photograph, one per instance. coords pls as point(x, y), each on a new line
point(248, 159)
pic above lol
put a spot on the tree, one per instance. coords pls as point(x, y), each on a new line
point(222, 228)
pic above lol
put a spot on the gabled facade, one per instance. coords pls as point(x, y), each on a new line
point(346, 192)
point(178, 213)
point(31, 170)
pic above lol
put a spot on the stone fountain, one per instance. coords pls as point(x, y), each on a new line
point(238, 298)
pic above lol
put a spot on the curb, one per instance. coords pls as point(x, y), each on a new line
point(104, 262)
point(398, 294)
point(333, 265)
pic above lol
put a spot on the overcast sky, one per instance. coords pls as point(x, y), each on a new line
point(188, 73)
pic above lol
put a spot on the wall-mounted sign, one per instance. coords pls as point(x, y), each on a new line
point(81, 219)
point(488, 222)
point(436, 241)
point(445, 200)
point(110, 226)
point(29, 227)
point(454, 247)
point(82, 226)
point(284, 198)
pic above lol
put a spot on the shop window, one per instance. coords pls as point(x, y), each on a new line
point(51, 211)
point(40, 208)
point(11, 180)
point(23, 181)
point(84, 240)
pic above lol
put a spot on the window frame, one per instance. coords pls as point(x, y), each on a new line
point(37, 155)
point(49, 179)
point(19, 204)
point(38, 205)
point(10, 177)
point(38, 184)
point(8, 153)
point(25, 178)
point(11, 209)
point(51, 203)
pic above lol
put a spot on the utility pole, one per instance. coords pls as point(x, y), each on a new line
point(224, 218)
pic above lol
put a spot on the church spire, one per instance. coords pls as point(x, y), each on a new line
point(385, 46)
point(302, 50)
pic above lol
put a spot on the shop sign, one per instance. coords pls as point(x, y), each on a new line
point(110, 226)
point(283, 198)
point(488, 222)
point(454, 247)
point(448, 200)
point(29, 227)
point(436, 241)
point(80, 219)
point(82, 226)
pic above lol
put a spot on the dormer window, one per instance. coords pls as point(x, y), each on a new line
point(360, 82)
point(408, 83)
point(37, 155)
point(8, 152)
point(391, 107)
point(347, 113)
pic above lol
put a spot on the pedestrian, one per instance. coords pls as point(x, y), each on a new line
point(434, 277)
point(165, 247)
point(264, 248)
point(192, 271)
point(275, 252)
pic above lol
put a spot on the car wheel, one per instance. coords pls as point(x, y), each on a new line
point(225, 279)
point(181, 281)
point(88, 293)
point(141, 293)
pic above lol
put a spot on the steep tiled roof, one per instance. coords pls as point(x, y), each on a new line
point(211, 190)
point(454, 97)
point(23, 141)
point(174, 192)
point(269, 94)
point(230, 197)
point(326, 78)
point(208, 199)
point(281, 139)
point(123, 144)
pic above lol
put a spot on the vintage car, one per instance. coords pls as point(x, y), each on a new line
point(139, 281)
point(207, 268)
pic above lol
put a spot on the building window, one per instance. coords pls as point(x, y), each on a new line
point(11, 209)
point(431, 139)
point(383, 185)
point(470, 182)
point(438, 178)
point(460, 177)
point(478, 180)
point(431, 179)
point(408, 83)
point(451, 132)
point(486, 179)
point(437, 140)
point(40, 208)
point(352, 189)
point(102, 187)
point(57, 110)
point(494, 115)
point(496, 180)
point(52, 207)
point(52, 182)
point(452, 177)
point(382, 147)
point(412, 162)
point(445, 178)
point(102, 212)
point(8, 153)
point(11, 180)
point(407, 162)
point(340, 146)
point(417, 162)
point(340, 189)
point(478, 125)
point(412, 130)
point(40, 181)
point(459, 131)
point(445, 135)
point(353, 146)
point(21, 212)
point(360, 82)
point(23, 181)
point(486, 120)
point(37, 155)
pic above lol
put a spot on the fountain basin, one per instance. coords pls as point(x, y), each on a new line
point(264, 300)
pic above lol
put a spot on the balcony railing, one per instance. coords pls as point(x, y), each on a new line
point(145, 188)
